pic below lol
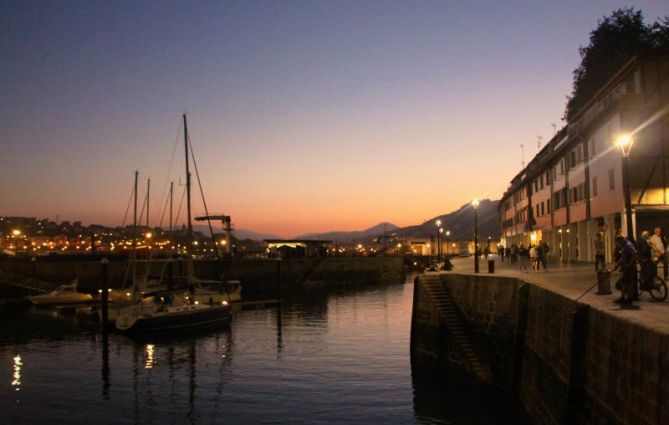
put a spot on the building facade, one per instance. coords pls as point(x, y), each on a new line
point(573, 189)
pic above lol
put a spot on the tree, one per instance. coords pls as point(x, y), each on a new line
point(616, 40)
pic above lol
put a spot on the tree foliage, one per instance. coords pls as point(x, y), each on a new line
point(617, 39)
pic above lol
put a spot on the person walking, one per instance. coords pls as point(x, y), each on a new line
point(599, 252)
point(659, 244)
point(500, 251)
point(545, 249)
point(533, 256)
point(523, 258)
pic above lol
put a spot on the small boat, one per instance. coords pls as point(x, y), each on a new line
point(64, 294)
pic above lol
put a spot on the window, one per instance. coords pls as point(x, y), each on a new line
point(562, 167)
point(592, 148)
point(548, 206)
point(612, 180)
point(573, 159)
point(542, 208)
point(594, 186)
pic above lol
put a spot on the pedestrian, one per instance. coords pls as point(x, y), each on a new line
point(533, 256)
point(501, 250)
point(599, 252)
point(626, 263)
point(547, 250)
point(659, 243)
point(542, 255)
point(523, 256)
point(645, 257)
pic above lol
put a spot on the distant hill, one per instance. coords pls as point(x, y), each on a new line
point(360, 235)
point(460, 223)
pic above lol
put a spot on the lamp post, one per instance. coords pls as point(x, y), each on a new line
point(448, 233)
point(439, 230)
point(475, 204)
point(625, 143)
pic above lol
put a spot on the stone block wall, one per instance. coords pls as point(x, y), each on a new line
point(564, 362)
point(627, 373)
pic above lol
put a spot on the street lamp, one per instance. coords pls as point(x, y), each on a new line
point(448, 233)
point(439, 230)
point(475, 204)
point(625, 142)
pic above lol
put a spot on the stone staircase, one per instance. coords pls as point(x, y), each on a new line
point(25, 282)
point(449, 316)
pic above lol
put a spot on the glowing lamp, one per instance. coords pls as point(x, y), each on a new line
point(625, 142)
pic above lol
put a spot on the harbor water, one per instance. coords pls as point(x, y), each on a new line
point(339, 356)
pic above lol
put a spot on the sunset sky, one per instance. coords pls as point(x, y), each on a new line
point(304, 116)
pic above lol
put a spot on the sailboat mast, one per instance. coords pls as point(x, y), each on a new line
point(189, 244)
point(171, 195)
point(148, 198)
point(190, 224)
point(134, 236)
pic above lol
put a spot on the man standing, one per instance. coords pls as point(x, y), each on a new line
point(626, 263)
point(599, 252)
point(658, 243)
point(645, 258)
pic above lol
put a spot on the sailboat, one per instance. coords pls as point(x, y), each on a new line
point(177, 308)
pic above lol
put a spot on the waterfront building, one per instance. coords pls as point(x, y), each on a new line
point(290, 248)
point(572, 189)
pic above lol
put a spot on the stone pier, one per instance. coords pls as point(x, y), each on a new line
point(567, 355)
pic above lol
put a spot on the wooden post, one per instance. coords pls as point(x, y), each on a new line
point(104, 296)
point(278, 280)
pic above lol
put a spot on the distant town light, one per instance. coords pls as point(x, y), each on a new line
point(16, 232)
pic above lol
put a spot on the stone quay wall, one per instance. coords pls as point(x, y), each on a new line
point(258, 276)
point(563, 361)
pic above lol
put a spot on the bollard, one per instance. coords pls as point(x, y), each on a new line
point(491, 266)
point(104, 295)
point(603, 282)
point(278, 279)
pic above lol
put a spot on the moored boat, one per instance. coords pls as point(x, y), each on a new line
point(167, 311)
point(165, 316)
point(64, 294)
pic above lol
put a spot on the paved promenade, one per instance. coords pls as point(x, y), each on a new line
point(572, 281)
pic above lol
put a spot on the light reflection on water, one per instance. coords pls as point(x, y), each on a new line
point(338, 357)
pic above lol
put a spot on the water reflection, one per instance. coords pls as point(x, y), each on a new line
point(16, 373)
point(340, 348)
point(149, 360)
